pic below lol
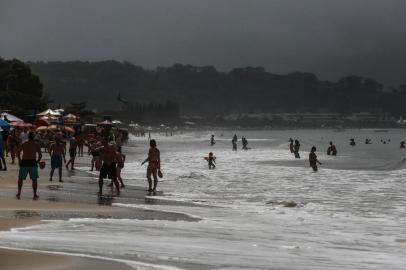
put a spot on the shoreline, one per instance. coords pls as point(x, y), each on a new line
point(23, 213)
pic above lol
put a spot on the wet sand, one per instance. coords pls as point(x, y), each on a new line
point(27, 212)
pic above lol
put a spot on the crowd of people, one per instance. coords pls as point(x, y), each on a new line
point(104, 147)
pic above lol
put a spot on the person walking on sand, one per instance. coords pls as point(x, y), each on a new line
point(12, 142)
point(31, 156)
point(313, 159)
point(72, 153)
point(57, 153)
point(108, 169)
point(154, 165)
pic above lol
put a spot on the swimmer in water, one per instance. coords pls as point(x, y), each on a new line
point(313, 159)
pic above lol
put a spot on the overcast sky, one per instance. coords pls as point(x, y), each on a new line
point(331, 38)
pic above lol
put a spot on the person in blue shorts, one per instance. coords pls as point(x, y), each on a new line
point(31, 156)
point(57, 153)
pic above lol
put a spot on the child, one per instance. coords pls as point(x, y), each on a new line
point(313, 159)
point(211, 160)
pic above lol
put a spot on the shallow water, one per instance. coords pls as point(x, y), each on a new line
point(349, 215)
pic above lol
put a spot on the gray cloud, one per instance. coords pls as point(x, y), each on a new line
point(332, 38)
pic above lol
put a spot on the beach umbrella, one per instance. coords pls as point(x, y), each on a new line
point(41, 128)
point(68, 129)
point(53, 127)
point(105, 123)
point(40, 122)
point(4, 124)
point(20, 124)
point(117, 122)
point(10, 117)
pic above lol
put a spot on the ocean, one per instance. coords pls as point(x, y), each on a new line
point(259, 209)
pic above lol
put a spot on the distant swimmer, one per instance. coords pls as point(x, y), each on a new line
point(212, 141)
point(211, 160)
point(332, 150)
point(296, 149)
point(402, 144)
point(244, 143)
point(234, 142)
point(368, 141)
point(154, 165)
point(291, 146)
point(352, 142)
point(313, 159)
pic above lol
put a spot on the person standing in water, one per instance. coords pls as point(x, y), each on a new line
point(72, 153)
point(296, 149)
point(332, 150)
point(31, 156)
point(244, 143)
point(57, 153)
point(154, 165)
point(234, 142)
point(313, 159)
point(212, 141)
point(108, 169)
point(291, 146)
point(120, 165)
point(211, 160)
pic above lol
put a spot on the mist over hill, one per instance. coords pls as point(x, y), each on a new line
point(205, 91)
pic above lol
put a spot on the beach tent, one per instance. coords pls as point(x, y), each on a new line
point(4, 124)
point(117, 122)
point(10, 117)
point(49, 112)
point(70, 117)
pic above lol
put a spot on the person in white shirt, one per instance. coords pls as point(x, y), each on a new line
point(24, 136)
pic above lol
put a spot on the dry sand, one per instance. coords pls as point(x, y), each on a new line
point(22, 260)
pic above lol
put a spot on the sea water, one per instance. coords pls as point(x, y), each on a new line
point(259, 209)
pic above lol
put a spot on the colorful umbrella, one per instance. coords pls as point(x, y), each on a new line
point(20, 124)
point(4, 124)
point(40, 122)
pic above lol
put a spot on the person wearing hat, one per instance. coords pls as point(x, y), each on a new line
point(31, 156)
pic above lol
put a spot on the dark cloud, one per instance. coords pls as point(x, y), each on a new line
point(332, 38)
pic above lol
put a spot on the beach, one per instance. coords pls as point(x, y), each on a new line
point(26, 212)
point(259, 209)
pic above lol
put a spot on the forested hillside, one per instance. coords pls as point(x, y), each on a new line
point(207, 91)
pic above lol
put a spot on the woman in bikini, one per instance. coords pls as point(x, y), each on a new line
point(154, 165)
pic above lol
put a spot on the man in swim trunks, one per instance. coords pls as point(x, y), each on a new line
point(154, 165)
point(31, 156)
point(108, 169)
point(57, 153)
